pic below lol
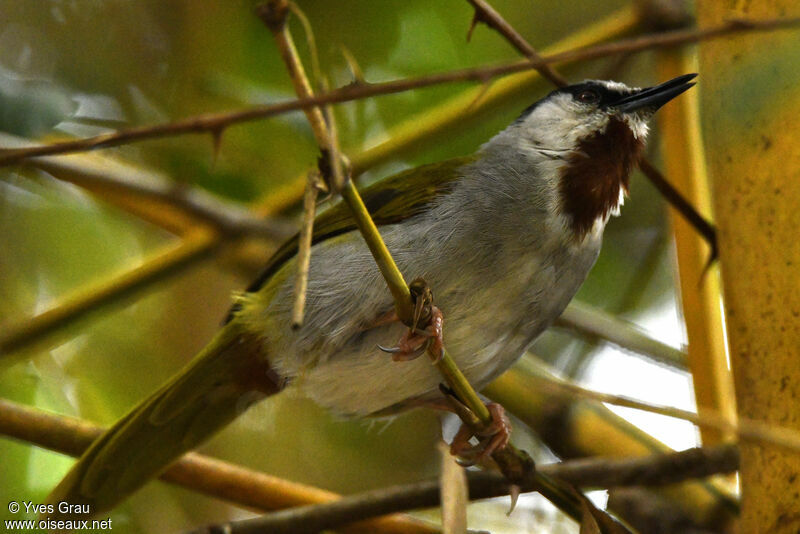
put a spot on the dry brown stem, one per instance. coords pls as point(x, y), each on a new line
point(597, 472)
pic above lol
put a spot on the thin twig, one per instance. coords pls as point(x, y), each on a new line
point(658, 469)
point(596, 323)
point(485, 13)
point(698, 222)
point(488, 15)
point(217, 122)
point(749, 430)
point(146, 193)
point(209, 476)
point(304, 247)
point(313, 52)
point(274, 15)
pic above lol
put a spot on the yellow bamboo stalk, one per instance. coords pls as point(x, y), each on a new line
point(750, 102)
point(684, 163)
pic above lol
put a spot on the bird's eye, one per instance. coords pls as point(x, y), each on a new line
point(588, 96)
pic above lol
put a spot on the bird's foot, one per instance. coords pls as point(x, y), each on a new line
point(493, 438)
point(415, 341)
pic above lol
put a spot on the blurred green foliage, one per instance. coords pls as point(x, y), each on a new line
point(85, 67)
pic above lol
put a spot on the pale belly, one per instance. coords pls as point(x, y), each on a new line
point(489, 322)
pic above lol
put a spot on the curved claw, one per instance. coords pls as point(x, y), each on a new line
point(493, 438)
point(463, 462)
point(405, 356)
point(513, 492)
point(416, 341)
point(419, 351)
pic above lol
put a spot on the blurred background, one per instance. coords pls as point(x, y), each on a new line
point(80, 68)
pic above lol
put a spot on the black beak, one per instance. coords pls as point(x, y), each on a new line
point(652, 98)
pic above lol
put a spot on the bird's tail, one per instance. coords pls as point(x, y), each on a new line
point(229, 375)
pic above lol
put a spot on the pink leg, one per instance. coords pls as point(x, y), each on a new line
point(414, 343)
point(494, 438)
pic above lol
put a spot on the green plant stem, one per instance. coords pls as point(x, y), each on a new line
point(391, 274)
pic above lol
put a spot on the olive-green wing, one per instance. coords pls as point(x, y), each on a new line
point(389, 201)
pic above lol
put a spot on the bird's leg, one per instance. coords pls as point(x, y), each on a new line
point(493, 438)
point(415, 341)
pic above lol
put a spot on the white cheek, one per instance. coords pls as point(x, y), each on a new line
point(637, 125)
point(560, 123)
point(616, 209)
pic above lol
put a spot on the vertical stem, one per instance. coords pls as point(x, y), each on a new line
point(274, 14)
point(684, 162)
point(304, 250)
point(397, 285)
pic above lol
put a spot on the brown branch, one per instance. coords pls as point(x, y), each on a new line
point(209, 476)
point(683, 206)
point(310, 195)
point(149, 194)
point(217, 122)
point(487, 14)
point(658, 469)
point(274, 14)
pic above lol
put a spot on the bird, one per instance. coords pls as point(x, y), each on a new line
point(503, 238)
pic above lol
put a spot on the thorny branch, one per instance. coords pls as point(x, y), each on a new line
point(485, 13)
point(603, 473)
point(215, 123)
point(273, 15)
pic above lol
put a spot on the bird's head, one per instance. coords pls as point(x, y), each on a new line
point(594, 133)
